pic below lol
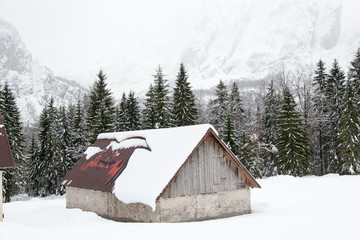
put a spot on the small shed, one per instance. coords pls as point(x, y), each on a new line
point(6, 159)
point(160, 175)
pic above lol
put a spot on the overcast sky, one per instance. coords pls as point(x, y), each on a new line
point(68, 35)
point(75, 38)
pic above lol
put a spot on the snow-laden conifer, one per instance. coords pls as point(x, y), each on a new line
point(14, 179)
point(270, 126)
point(322, 119)
point(101, 111)
point(349, 147)
point(149, 112)
point(334, 93)
point(157, 112)
point(219, 107)
point(33, 168)
point(292, 141)
point(184, 106)
point(133, 112)
point(121, 115)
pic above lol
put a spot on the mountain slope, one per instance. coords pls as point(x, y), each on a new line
point(221, 39)
point(32, 84)
point(250, 39)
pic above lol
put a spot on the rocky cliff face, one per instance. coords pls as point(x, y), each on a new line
point(32, 84)
point(237, 39)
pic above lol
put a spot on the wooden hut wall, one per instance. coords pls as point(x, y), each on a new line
point(209, 170)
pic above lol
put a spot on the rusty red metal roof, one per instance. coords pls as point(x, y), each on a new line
point(6, 157)
point(100, 171)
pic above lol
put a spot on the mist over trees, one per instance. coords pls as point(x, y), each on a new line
point(297, 123)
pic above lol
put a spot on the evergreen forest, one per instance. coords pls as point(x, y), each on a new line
point(300, 125)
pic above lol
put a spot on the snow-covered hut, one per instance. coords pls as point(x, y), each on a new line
point(6, 158)
point(161, 175)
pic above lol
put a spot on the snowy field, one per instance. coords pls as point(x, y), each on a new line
point(285, 207)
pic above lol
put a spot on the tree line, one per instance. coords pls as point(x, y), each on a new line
point(311, 127)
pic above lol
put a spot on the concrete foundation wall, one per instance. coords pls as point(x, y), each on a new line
point(178, 209)
point(108, 206)
point(204, 206)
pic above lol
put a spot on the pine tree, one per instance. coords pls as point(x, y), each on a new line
point(292, 142)
point(149, 112)
point(349, 148)
point(334, 93)
point(133, 112)
point(218, 108)
point(13, 179)
point(270, 126)
point(322, 129)
point(101, 111)
point(184, 107)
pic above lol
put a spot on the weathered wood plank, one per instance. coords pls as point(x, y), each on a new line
point(209, 170)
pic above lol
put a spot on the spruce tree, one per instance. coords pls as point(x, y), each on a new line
point(184, 106)
point(149, 112)
point(49, 150)
point(34, 168)
point(133, 112)
point(270, 126)
point(354, 74)
point(334, 93)
point(101, 111)
point(349, 147)
point(229, 135)
point(14, 179)
point(236, 110)
point(78, 133)
point(122, 115)
point(219, 107)
point(292, 142)
point(322, 130)
point(157, 112)
point(162, 100)
point(248, 155)
point(64, 135)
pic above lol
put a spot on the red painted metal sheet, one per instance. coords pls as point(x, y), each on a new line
point(6, 157)
point(100, 171)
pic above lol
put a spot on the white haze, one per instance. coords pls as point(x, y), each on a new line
point(215, 39)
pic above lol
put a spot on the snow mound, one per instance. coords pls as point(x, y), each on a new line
point(91, 151)
point(128, 143)
point(284, 208)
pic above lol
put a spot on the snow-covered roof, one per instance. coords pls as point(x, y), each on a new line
point(150, 171)
point(137, 165)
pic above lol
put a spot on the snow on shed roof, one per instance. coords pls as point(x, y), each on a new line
point(113, 165)
point(147, 173)
point(6, 157)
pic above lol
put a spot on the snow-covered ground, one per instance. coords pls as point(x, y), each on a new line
point(285, 207)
